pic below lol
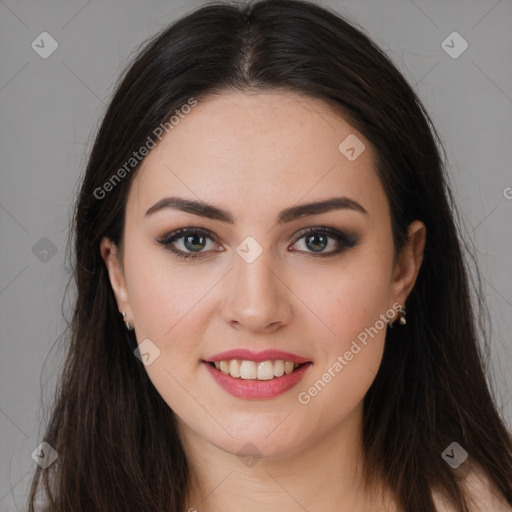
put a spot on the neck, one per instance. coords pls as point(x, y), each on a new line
point(323, 476)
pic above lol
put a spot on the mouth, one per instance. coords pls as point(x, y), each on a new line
point(256, 380)
point(256, 370)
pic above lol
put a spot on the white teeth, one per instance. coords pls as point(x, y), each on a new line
point(279, 368)
point(234, 368)
point(248, 370)
point(265, 370)
point(288, 367)
point(262, 370)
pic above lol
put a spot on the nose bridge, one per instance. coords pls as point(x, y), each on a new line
point(257, 297)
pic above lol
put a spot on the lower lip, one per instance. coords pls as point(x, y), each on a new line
point(257, 389)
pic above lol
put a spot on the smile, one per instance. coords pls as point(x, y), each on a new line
point(262, 370)
point(248, 385)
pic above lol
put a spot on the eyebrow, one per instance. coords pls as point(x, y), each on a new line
point(210, 211)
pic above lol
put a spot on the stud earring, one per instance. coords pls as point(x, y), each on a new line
point(128, 326)
point(401, 320)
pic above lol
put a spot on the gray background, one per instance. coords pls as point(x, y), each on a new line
point(50, 109)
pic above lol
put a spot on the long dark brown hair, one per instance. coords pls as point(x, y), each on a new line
point(117, 445)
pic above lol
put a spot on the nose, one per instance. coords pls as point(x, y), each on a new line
point(257, 298)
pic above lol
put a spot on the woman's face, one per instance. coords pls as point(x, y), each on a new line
point(254, 280)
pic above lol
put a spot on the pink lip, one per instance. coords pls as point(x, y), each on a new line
point(265, 355)
point(253, 389)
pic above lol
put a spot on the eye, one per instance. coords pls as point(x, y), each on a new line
point(189, 239)
point(192, 242)
point(317, 239)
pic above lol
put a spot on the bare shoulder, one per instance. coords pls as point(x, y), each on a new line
point(482, 494)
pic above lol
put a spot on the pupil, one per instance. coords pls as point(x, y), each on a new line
point(189, 245)
point(322, 244)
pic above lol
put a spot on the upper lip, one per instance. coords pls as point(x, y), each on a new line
point(249, 355)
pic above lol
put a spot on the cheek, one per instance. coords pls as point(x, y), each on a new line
point(171, 305)
point(347, 362)
point(161, 292)
point(353, 304)
point(168, 301)
point(358, 307)
point(155, 300)
point(350, 300)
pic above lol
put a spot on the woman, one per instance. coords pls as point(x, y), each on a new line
point(273, 309)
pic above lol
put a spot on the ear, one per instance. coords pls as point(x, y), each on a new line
point(409, 263)
point(111, 258)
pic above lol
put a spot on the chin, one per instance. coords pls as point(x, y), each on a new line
point(259, 444)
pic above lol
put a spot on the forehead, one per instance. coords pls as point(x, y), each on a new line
point(255, 149)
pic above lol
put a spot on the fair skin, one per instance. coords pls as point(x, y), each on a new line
point(255, 155)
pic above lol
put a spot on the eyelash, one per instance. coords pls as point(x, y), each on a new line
point(345, 241)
